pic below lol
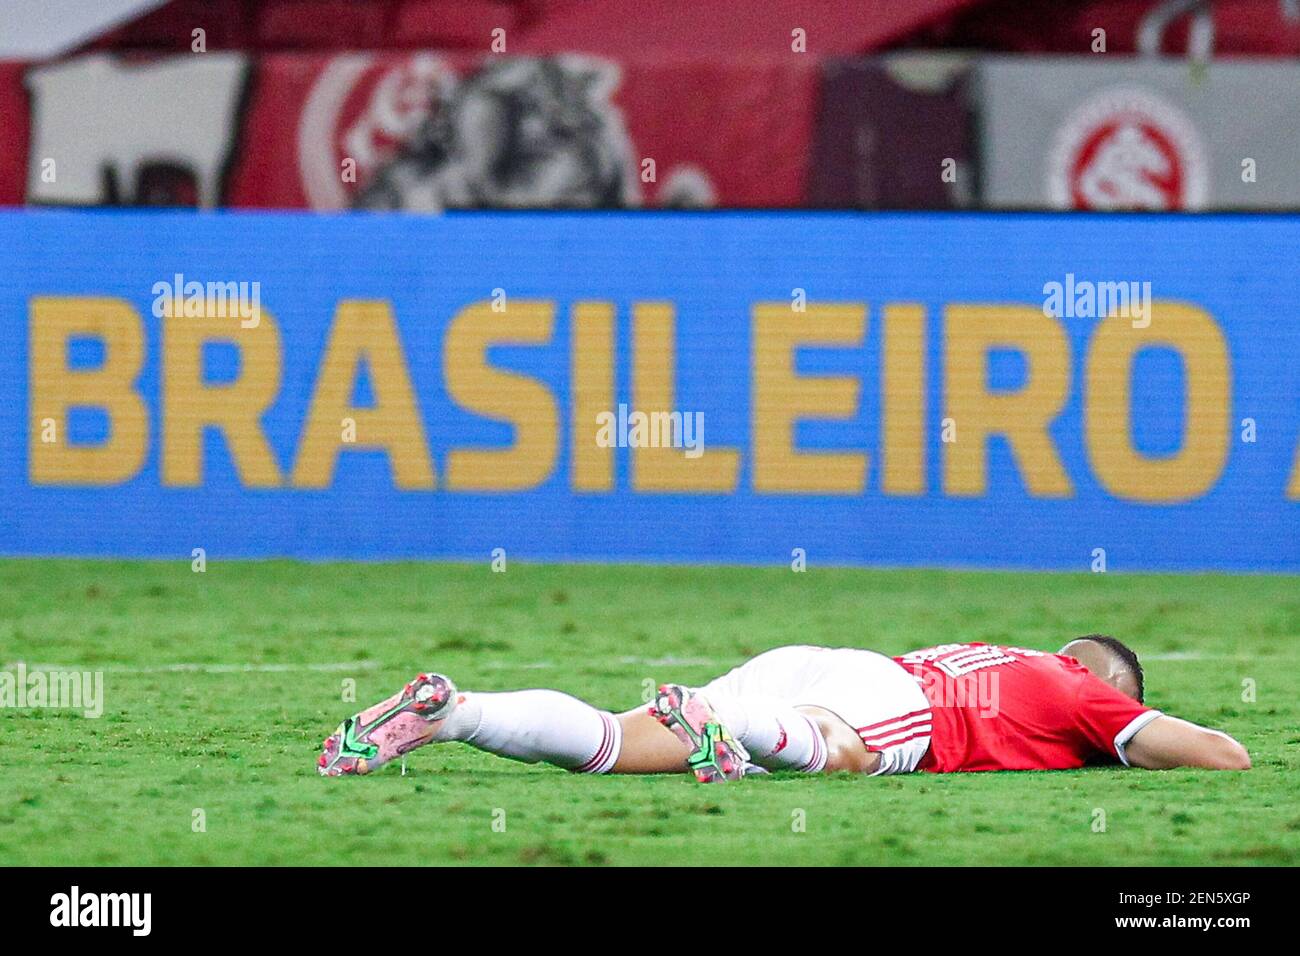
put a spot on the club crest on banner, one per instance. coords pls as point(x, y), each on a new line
point(1127, 149)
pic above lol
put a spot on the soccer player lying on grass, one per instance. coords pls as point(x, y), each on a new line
point(816, 709)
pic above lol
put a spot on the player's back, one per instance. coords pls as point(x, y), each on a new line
point(1009, 708)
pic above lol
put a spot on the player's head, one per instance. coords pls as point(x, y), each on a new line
point(1111, 660)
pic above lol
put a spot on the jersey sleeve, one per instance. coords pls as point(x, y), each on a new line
point(1108, 718)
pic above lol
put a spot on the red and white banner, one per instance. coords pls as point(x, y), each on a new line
point(421, 130)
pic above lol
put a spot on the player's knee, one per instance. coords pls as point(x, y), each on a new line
point(844, 749)
point(1235, 757)
point(850, 755)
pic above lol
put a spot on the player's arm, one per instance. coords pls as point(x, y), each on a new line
point(1167, 742)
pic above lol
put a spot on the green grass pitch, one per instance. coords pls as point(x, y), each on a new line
point(219, 687)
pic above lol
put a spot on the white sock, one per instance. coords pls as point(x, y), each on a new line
point(533, 725)
point(776, 735)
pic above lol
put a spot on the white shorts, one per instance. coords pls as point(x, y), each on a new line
point(868, 691)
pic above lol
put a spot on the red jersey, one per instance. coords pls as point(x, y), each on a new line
point(1007, 708)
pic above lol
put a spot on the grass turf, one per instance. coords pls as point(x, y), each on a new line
point(237, 737)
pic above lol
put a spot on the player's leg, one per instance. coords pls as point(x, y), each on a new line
point(528, 725)
point(756, 703)
point(844, 748)
point(648, 746)
point(772, 735)
point(727, 734)
point(552, 727)
point(747, 717)
point(810, 709)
